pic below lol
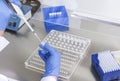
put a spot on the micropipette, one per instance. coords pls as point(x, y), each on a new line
point(21, 15)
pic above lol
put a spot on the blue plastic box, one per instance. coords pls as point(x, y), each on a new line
point(108, 76)
point(55, 18)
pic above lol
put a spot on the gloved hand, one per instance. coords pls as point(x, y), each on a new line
point(17, 2)
point(51, 57)
point(5, 13)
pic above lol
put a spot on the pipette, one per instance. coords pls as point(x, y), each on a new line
point(21, 15)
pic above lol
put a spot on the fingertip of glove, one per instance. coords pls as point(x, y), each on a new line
point(47, 46)
point(44, 45)
point(41, 46)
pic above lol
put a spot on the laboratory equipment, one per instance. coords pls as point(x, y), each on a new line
point(20, 14)
point(35, 5)
point(73, 48)
point(15, 22)
point(106, 66)
point(55, 18)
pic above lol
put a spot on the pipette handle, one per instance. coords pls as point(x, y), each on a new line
point(27, 24)
point(21, 15)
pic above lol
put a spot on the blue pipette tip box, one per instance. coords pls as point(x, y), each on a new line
point(55, 18)
point(104, 76)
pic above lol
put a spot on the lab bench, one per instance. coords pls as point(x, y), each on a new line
point(23, 43)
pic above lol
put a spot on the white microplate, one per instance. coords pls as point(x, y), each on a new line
point(71, 47)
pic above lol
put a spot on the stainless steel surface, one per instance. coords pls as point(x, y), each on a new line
point(23, 43)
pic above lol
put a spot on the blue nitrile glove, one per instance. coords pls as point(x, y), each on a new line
point(17, 2)
point(5, 13)
point(51, 57)
point(4, 20)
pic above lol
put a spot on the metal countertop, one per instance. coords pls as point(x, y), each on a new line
point(23, 43)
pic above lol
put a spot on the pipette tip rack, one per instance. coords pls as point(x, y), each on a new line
point(106, 65)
